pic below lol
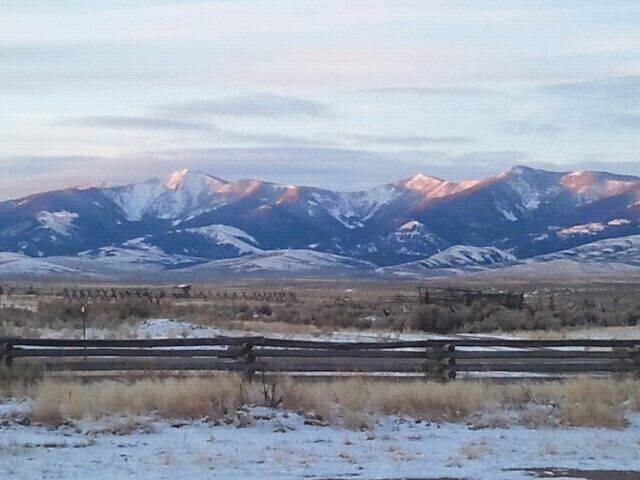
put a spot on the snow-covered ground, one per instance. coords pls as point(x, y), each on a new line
point(275, 444)
point(279, 445)
point(170, 328)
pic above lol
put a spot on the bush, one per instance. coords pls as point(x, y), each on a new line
point(433, 318)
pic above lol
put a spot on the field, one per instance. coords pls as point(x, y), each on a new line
point(230, 425)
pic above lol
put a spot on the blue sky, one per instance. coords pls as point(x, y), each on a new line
point(339, 94)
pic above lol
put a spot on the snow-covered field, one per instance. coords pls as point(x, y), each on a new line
point(170, 328)
point(273, 444)
point(257, 442)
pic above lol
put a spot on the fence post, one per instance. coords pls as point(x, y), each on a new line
point(246, 354)
point(443, 362)
point(4, 354)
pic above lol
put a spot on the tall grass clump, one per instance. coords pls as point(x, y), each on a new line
point(170, 398)
point(354, 403)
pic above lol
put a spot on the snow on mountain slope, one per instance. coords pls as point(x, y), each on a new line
point(463, 255)
point(58, 222)
point(432, 187)
point(352, 209)
point(623, 250)
point(287, 261)
point(612, 256)
point(456, 257)
point(559, 268)
point(525, 211)
point(135, 253)
point(590, 186)
point(526, 186)
point(20, 264)
point(183, 193)
point(227, 235)
point(411, 239)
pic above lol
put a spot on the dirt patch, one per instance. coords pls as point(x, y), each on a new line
point(585, 474)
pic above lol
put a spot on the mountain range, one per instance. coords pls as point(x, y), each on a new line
point(191, 223)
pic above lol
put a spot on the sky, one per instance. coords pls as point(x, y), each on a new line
point(345, 95)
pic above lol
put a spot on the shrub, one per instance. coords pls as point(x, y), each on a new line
point(433, 318)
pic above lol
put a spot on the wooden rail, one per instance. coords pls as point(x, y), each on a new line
point(441, 359)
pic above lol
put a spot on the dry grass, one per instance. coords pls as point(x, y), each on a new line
point(330, 306)
point(18, 380)
point(188, 398)
point(355, 404)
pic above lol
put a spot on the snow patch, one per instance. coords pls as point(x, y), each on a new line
point(618, 221)
point(457, 256)
point(293, 260)
point(227, 235)
point(21, 264)
point(508, 214)
point(583, 229)
point(60, 222)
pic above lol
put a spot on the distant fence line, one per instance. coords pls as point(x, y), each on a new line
point(155, 296)
point(462, 296)
point(433, 359)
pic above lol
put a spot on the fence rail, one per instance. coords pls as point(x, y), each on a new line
point(440, 359)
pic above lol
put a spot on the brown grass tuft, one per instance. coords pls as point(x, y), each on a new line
point(354, 403)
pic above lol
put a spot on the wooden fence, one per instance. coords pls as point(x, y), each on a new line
point(98, 294)
point(451, 297)
point(436, 359)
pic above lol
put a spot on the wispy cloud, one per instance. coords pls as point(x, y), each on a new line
point(535, 127)
point(257, 105)
point(208, 131)
point(125, 122)
point(627, 120)
point(413, 140)
point(267, 138)
point(617, 87)
point(461, 91)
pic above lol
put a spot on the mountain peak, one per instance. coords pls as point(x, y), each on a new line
point(421, 182)
point(186, 177)
point(434, 187)
point(520, 170)
point(176, 178)
point(592, 185)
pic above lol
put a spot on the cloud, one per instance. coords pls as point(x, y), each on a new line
point(258, 105)
point(437, 91)
point(209, 132)
point(266, 138)
point(413, 140)
point(132, 122)
point(611, 88)
point(535, 127)
point(627, 120)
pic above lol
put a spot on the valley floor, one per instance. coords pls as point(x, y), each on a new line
point(257, 442)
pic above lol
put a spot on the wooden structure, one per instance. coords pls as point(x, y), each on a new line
point(181, 291)
point(249, 296)
point(461, 296)
point(86, 295)
point(98, 294)
point(435, 359)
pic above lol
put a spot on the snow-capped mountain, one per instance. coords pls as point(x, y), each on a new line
point(191, 218)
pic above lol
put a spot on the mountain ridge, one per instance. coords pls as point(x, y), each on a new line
point(523, 212)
